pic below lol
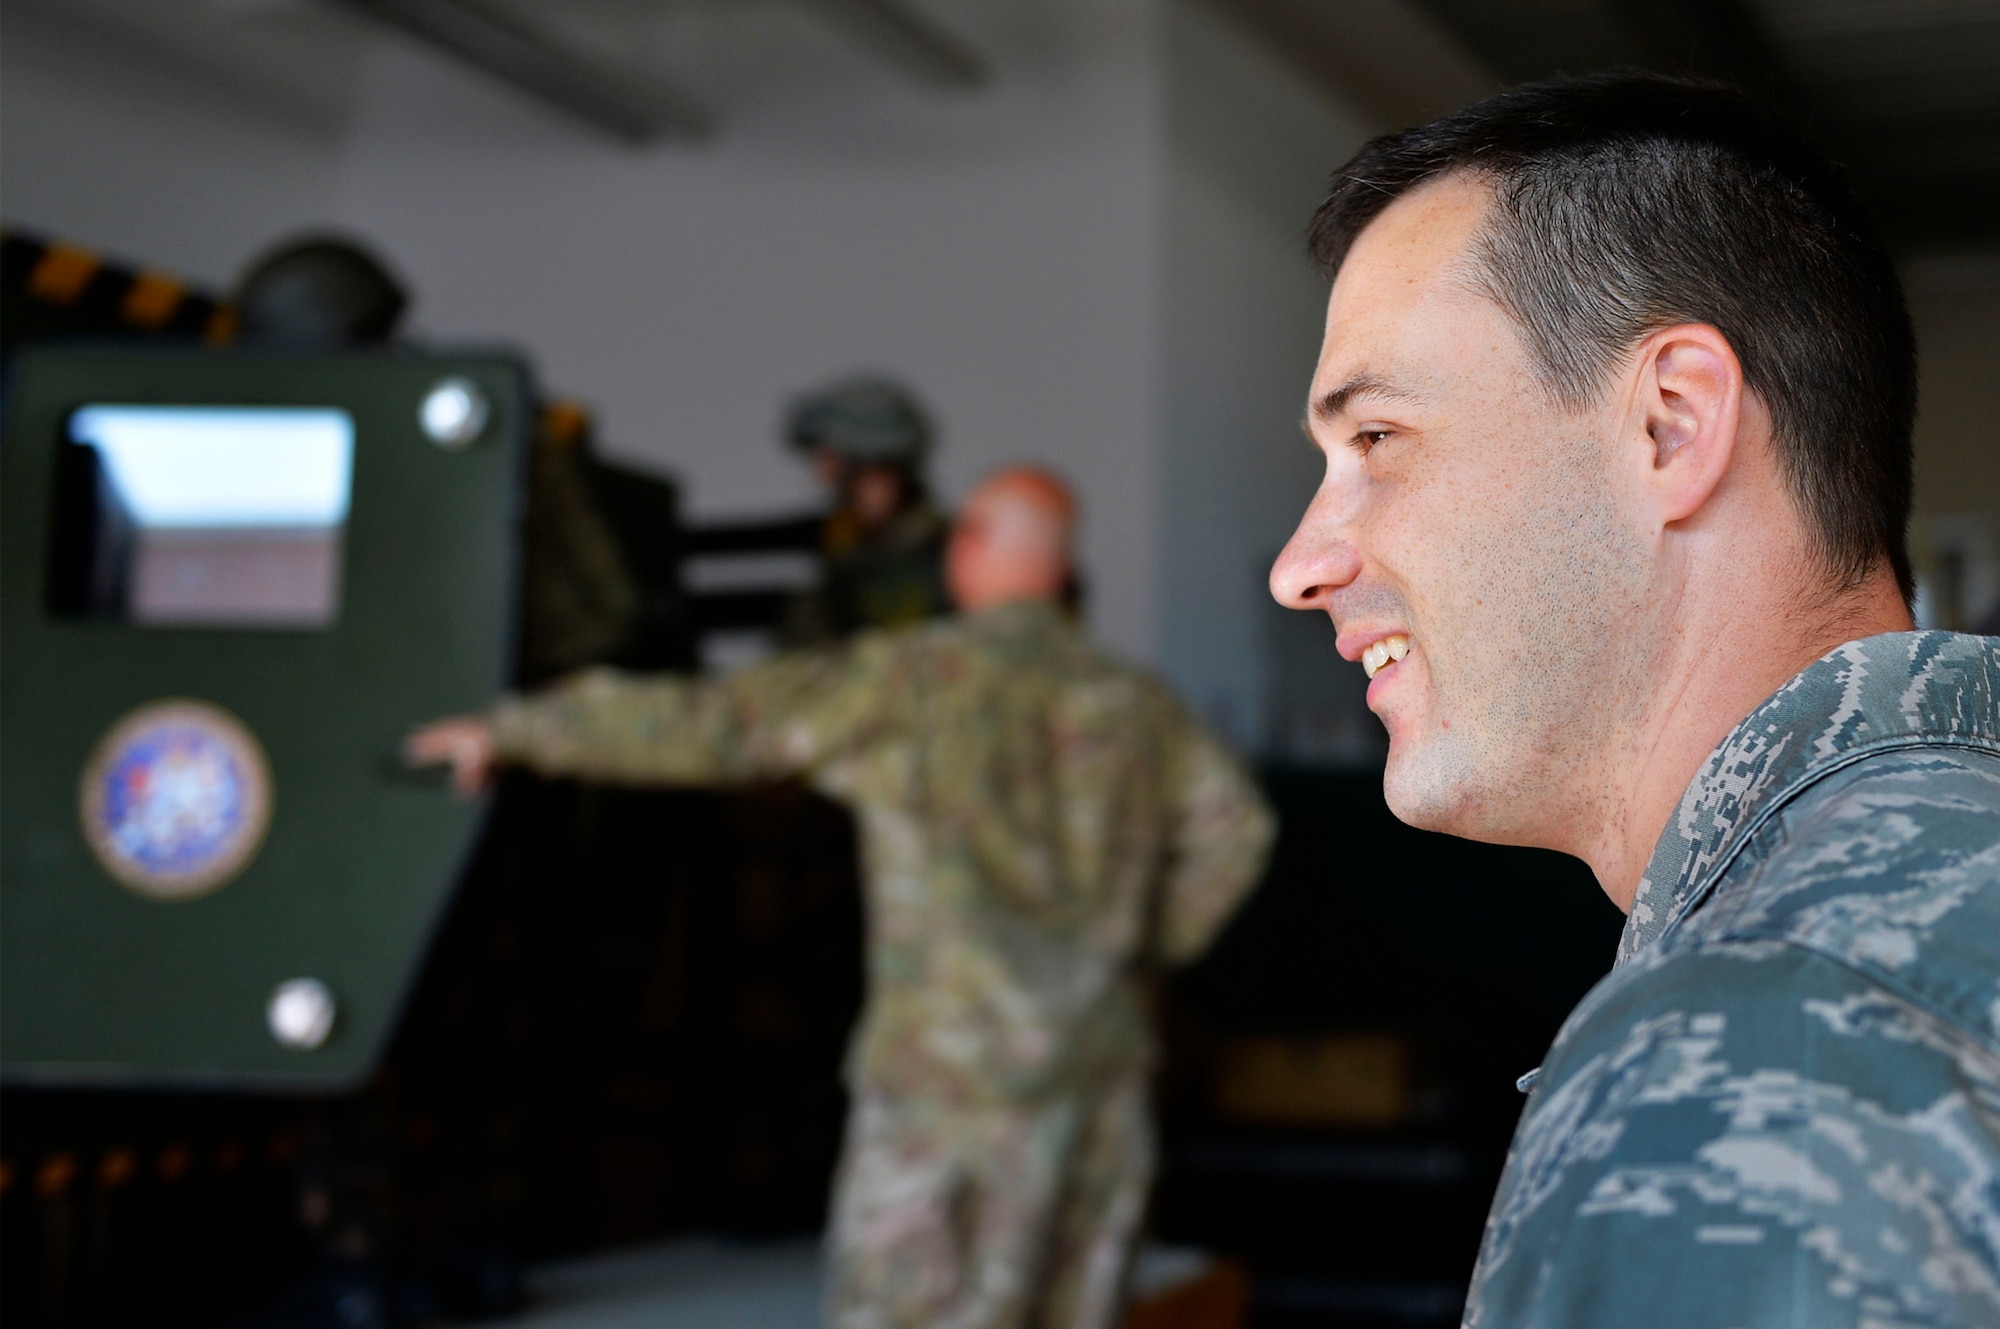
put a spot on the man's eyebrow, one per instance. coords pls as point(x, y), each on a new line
point(1336, 401)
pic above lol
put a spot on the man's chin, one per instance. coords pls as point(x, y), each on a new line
point(1427, 791)
point(1445, 787)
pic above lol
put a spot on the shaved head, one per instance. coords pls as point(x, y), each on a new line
point(1011, 540)
point(1029, 509)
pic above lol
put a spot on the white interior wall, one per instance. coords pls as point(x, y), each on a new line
point(996, 251)
point(107, 141)
point(1251, 146)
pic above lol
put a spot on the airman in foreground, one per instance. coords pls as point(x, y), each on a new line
point(1616, 398)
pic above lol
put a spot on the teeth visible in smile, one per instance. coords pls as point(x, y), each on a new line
point(1382, 652)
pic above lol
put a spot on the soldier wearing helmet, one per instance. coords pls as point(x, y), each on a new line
point(883, 542)
point(319, 293)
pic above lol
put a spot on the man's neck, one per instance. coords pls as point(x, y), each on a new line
point(981, 600)
point(1714, 677)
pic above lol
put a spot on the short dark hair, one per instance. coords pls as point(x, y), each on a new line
point(1628, 202)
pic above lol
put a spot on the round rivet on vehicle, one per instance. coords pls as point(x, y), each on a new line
point(453, 412)
point(301, 1013)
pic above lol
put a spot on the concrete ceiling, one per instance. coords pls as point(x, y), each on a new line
point(631, 69)
point(1905, 92)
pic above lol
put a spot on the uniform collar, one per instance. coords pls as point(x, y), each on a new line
point(1019, 618)
point(1900, 689)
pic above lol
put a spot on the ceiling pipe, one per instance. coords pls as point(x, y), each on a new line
point(498, 41)
point(905, 37)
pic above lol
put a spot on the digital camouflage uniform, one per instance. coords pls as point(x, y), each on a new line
point(1783, 1105)
point(1041, 829)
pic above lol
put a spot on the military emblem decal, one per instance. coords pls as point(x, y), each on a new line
point(176, 799)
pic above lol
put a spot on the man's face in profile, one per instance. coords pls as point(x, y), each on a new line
point(1467, 523)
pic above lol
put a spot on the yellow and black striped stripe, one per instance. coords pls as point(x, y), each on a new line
point(50, 288)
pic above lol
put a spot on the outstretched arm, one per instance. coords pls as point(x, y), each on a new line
point(781, 718)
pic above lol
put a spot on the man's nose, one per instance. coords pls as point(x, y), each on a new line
point(1316, 562)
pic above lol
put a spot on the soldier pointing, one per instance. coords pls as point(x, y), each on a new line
point(1042, 829)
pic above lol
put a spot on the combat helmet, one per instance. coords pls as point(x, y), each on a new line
point(862, 419)
point(321, 292)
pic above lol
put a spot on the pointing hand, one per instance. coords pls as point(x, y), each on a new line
point(463, 742)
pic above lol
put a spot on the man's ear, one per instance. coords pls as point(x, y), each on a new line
point(1690, 400)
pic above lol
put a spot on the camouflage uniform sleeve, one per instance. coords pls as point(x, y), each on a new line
point(1220, 837)
point(786, 717)
point(1751, 1134)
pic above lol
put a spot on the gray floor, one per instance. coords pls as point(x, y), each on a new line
point(707, 1284)
point(694, 1284)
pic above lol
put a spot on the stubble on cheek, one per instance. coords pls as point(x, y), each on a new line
point(1534, 614)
